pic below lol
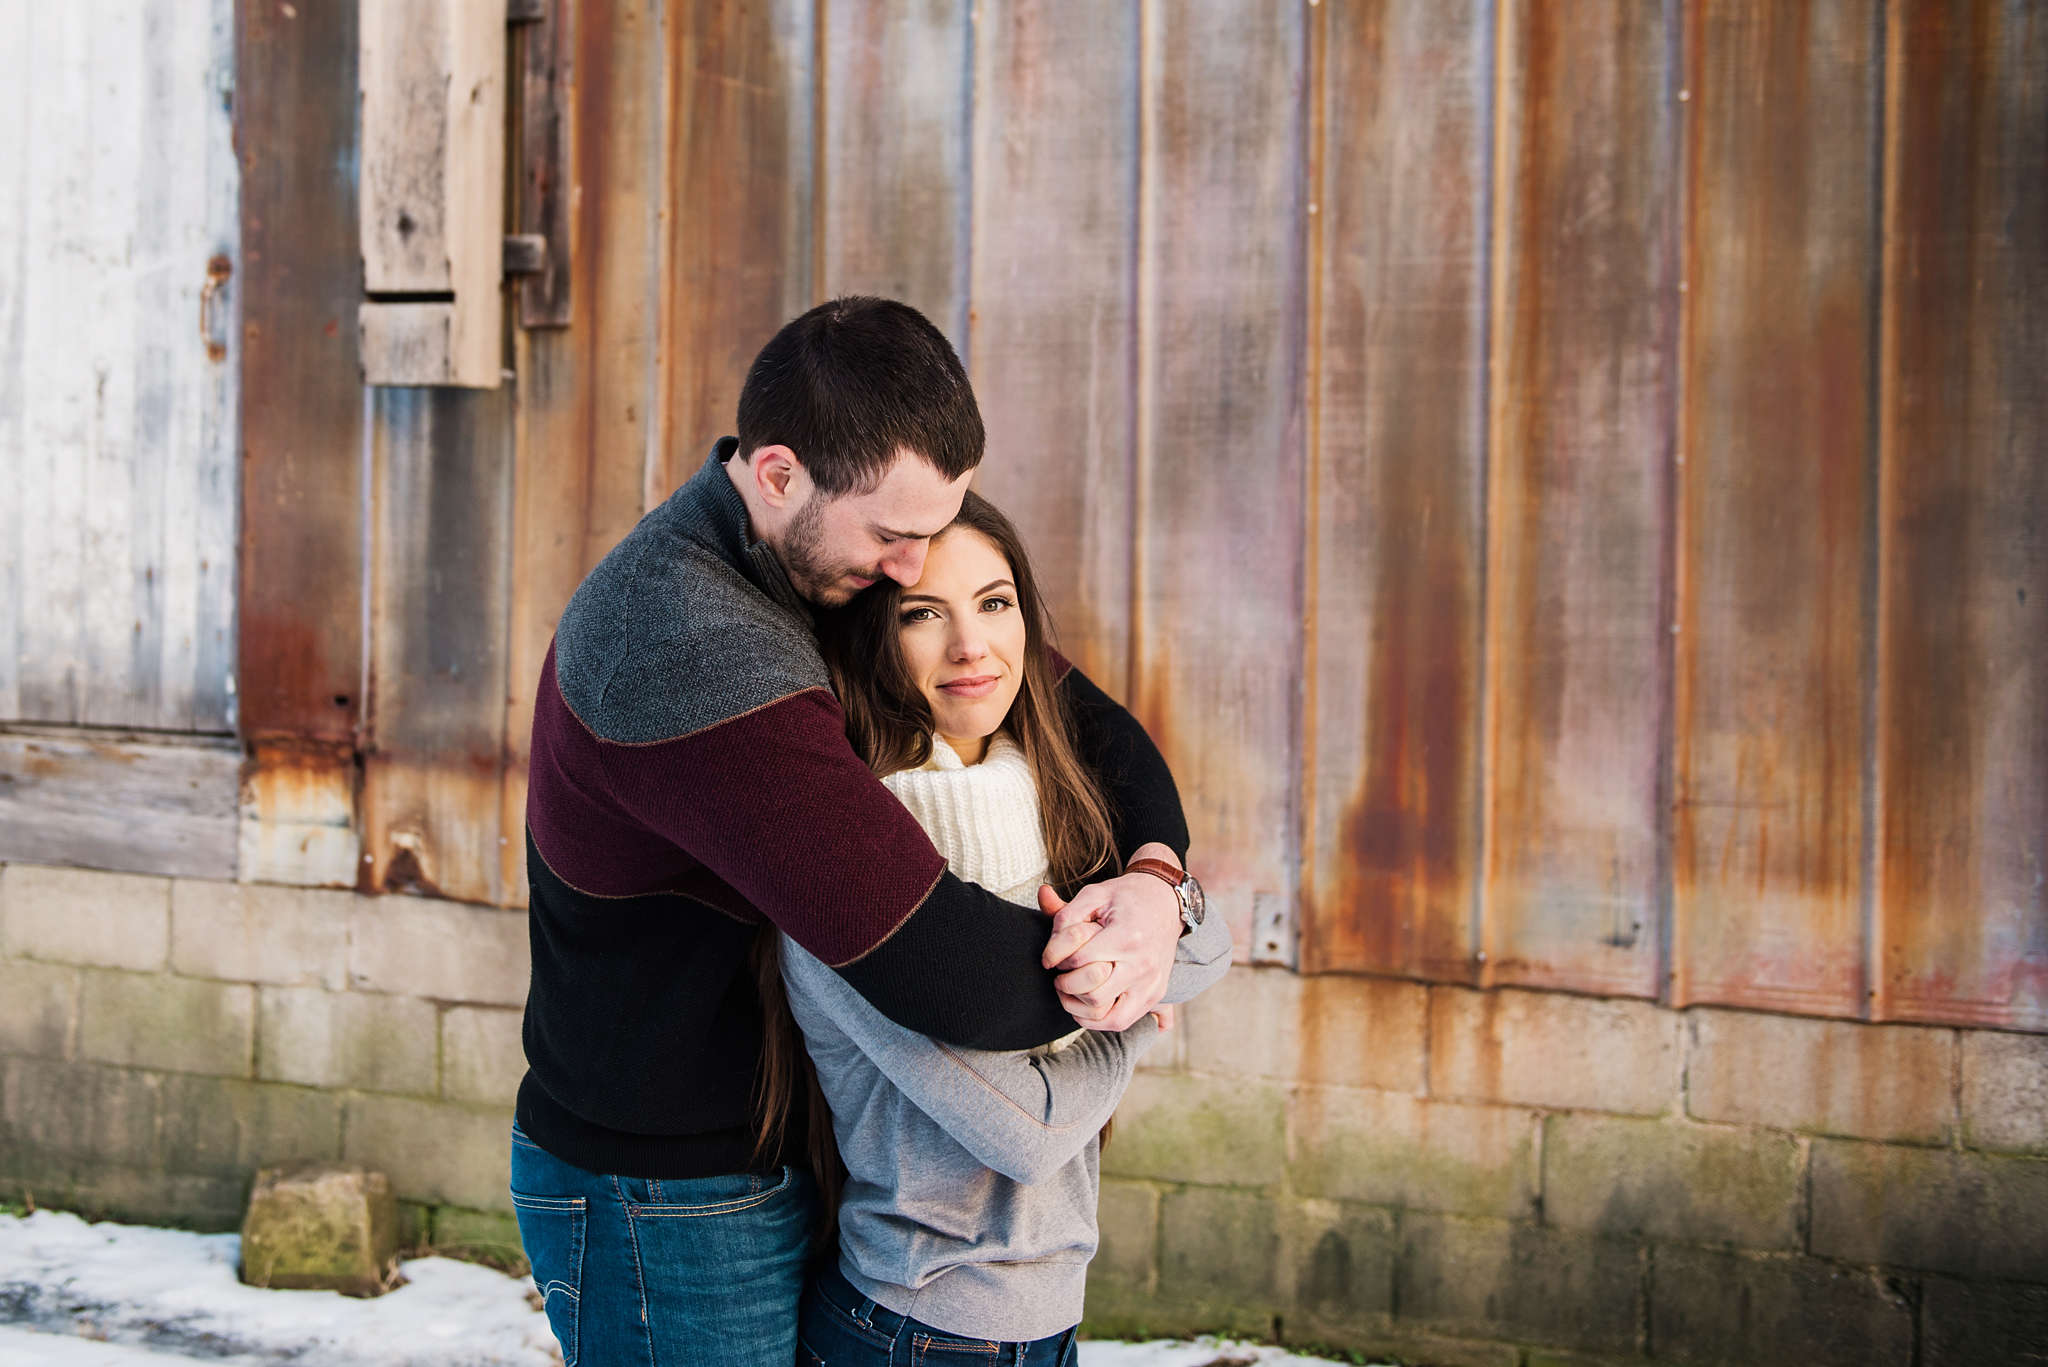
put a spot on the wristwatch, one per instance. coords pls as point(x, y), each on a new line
point(1193, 905)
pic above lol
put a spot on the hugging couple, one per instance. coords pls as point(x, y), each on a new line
point(830, 856)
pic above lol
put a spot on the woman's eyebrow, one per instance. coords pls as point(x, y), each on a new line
point(932, 598)
point(992, 584)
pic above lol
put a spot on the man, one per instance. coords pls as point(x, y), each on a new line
point(691, 776)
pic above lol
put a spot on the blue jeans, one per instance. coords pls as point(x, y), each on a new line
point(840, 1327)
point(704, 1270)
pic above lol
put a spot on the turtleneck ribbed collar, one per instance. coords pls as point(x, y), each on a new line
point(713, 508)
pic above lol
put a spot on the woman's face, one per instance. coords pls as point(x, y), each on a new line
point(963, 638)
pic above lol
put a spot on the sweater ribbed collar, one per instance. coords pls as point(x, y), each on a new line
point(714, 511)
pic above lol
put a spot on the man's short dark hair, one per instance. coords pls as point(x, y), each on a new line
point(852, 382)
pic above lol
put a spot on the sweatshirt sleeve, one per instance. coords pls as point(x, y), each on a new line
point(1199, 962)
point(1024, 1115)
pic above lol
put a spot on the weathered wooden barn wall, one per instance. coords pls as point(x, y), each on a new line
point(1564, 483)
point(117, 435)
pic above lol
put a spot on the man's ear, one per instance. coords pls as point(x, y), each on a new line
point(775, 471)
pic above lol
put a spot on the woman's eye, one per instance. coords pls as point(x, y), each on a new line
point(918, 615)
point(995, 604)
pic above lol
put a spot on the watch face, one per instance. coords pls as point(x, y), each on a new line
point(1198, 905)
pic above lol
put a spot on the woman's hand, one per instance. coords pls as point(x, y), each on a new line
point(1114, 944)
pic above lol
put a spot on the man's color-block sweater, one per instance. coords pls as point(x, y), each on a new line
point(690, 775)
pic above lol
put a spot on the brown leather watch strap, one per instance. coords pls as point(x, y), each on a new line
point(1158, 868)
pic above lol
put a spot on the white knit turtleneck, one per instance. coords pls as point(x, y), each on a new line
point(983, 818)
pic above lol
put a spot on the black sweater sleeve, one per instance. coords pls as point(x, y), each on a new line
point(1144, 802)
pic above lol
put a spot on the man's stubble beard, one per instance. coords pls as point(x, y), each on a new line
point(810, 574)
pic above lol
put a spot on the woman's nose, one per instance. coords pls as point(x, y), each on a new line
point(968, 646)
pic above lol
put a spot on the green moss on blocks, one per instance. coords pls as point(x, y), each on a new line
point(320, 1226)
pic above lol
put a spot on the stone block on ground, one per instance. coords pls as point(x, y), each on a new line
point(1822, 1076)
point(483, 1236)
point(83, 916)
point(1553, 1050)
point(2005, 1091)
point(320, 1226)
point(1718, 1308)
point(1670, 1180)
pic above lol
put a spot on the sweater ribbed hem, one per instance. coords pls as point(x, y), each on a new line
point(664, 1157)
point(1007, 1302)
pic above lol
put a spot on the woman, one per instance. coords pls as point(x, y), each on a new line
point(968, 1214)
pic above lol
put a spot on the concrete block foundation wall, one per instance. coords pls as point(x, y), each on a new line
point(162, 1038)
point(1510, 1177)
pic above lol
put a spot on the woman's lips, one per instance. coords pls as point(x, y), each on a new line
point(978, 686)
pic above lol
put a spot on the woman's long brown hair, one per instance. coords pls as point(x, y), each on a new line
point(890, 725)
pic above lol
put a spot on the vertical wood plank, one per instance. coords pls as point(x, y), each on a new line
point(300, 650)
point(898, 129)
point(1217, 630)
point(1053, 335)
point(118, 438)
point(302, 432)
point(588, 401)
point(546, 73)
point(1585, 346)
point(432, 773)
point(738, 231)
point(1398, 488)
point(1962, 928)
point(1775, 508)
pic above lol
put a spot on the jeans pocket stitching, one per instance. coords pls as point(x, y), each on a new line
point(726, 1207)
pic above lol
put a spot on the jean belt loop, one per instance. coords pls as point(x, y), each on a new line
point(866, 1314)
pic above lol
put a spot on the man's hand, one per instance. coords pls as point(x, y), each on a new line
point(1114, 944)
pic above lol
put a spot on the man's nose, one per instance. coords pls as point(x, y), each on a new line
point(906, 566)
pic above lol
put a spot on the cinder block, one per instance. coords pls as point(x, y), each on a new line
point(78, 1113)
point(1974, 1324)
point(1364, 1032)
point(1218, 1131)
point(225, 1127)
point(1968, 1214)
point(320, 1226)
point(83, 916)
point(2005, 1091)
point(258, 933)
point(1218, 1246)
point(1821, 1076)
point(1520, 1281)
point(482, 1059)
point(489, 1236)
point(1337, 1263)
point(436, 1152)
point(38, 1008)
point(1670, 1180)
point(346, 1039)
point(1247, 1025)
point(1127, 1258)
point(1392, 1149)
point(1553, 1050)
point(443, 951)
point(1718, 1308)
point(153, 1020)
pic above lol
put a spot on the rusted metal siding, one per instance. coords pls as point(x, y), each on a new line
point(1775, 553)
point(1561, 483)
point(1053, 337)
point(1396, 491)
point(1584, 339)
point(117, 385)
point(1962, 713)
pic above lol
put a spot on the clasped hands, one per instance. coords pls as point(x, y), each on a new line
point(1113, 946)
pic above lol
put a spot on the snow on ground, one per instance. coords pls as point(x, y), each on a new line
point(79, 1295)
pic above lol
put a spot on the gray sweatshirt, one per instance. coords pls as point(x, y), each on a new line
point(970, 1198)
